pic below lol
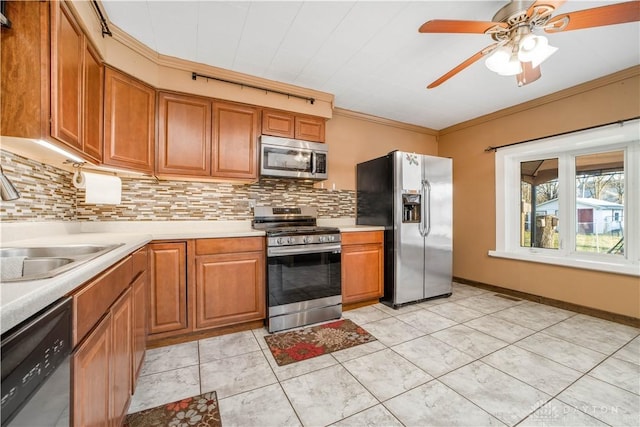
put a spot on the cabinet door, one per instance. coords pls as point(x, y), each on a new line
point(278, 123)
point(229, 289)
point(90, 378)
point(67, 46)
point(235, 141)
point(184, 135)
point(168, 287)
point(129, 122)
point(121, 357)
point(310, 128)
point(140, 302)
point(361, 272)
point(25, 71)
point(92, 103)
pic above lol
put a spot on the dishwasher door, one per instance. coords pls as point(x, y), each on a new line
point(36, 381)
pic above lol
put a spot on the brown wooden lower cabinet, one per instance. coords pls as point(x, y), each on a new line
point(362, 266)
point(107, 358)
point(229, 289)
point(140, 326)
point(101, 369)
point(168, 287)
point(121, 357)
point(90, 378)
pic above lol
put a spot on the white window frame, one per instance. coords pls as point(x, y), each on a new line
point(617, 137)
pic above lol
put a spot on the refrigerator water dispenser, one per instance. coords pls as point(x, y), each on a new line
point(411, 208)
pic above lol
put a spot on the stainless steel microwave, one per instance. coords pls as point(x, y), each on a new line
point(292, 158)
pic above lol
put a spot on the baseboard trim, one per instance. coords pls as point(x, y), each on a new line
point(198, 335)
point(602, 314)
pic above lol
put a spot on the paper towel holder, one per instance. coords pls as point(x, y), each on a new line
point(77, 179)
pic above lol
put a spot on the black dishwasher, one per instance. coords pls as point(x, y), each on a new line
point(36, 381)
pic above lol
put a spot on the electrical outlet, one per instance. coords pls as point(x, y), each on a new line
point(252, 203)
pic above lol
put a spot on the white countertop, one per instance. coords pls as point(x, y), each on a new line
point(20, 300)
point(23, 299)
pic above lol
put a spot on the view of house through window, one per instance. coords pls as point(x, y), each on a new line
point(600, 202)
point(539, 204)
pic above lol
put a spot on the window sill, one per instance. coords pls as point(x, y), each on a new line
point(587, 264)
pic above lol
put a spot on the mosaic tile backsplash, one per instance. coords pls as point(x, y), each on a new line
point(46, 191)
point(47, 194)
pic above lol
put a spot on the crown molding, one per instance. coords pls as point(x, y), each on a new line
point(184, 65)
point(337, 111)
point(556, 96)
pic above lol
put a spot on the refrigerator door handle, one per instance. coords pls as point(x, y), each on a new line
point(426, 199)
point(422, 225)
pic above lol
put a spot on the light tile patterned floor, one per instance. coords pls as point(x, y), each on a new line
point(475, 359)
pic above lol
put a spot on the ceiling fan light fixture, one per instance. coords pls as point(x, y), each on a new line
point(512, 67)
point(504, 61)
point(499, 59)
point(535, 49)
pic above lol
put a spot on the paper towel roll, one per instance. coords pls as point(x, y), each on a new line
point(99, 189)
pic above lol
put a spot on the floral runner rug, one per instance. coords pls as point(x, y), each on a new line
point(294, 346)
point(197, 411)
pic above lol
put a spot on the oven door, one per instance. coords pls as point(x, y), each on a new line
point(301, 278)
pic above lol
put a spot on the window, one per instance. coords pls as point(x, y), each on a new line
point(567, 200)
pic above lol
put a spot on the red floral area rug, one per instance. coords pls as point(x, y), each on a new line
point(294, 346)
point(197, 411)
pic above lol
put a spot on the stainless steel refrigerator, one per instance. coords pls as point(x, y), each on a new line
point(411, 196)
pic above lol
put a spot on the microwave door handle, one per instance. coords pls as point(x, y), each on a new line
point(313, 163)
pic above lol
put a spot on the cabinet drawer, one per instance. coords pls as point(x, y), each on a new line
point(362, 237)
point(92, 301)
point(139, 261)
point(229, 245)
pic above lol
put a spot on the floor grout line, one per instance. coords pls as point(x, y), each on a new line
point(337, 362)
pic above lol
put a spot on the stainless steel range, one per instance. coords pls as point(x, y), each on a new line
point(303, 267)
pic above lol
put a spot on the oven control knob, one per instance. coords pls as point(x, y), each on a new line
point(291, 240)
point(331, 238)
point(322, 239)
point(279, 240)
point(306, 239)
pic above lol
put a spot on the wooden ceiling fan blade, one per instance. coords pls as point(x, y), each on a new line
point(618, 13)
point(454, 26)
point(487, 50)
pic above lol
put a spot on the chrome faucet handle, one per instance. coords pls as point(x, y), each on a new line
point(7, 191)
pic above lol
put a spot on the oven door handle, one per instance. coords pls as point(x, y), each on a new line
point(311, 249)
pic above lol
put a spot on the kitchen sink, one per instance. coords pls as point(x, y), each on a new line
point(31, 263)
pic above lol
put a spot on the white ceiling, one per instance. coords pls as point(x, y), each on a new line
point(369, 54)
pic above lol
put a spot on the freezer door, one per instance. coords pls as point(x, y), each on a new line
point(408, 243)
point(438, 253)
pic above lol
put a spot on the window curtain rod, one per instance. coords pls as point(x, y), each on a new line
point(620, 122)
point(195, 75)
point(103, 21)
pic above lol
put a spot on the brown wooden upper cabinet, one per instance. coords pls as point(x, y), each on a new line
point(129, 122)
point(290, 125)
point(202, 137)
point(235, 141)
point(184, 135)
point(51, 79)
point(76, 85)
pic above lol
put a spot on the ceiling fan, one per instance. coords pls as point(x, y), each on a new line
point(517, 50)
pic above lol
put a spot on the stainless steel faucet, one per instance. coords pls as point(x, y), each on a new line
point(8, 191)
